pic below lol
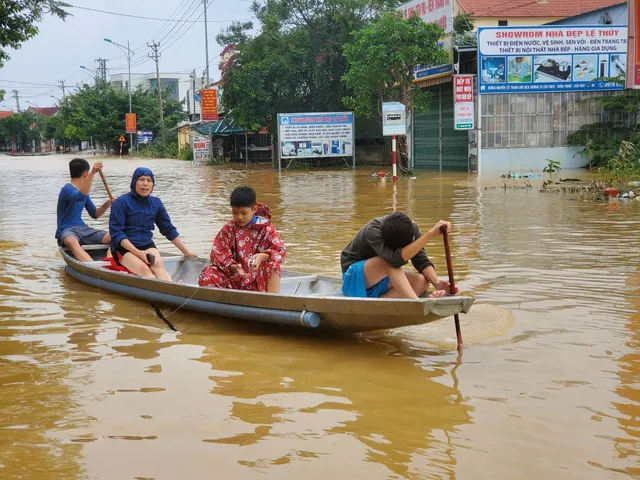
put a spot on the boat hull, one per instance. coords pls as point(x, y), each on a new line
point(305, 300)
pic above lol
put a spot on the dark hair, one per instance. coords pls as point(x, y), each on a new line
point(397, 230)
point(243, 197)
point(78, 166)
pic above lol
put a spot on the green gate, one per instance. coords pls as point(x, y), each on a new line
point(436, 144)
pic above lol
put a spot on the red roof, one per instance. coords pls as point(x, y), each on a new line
point(533, 8)
point(45, 111)
point(5, 114)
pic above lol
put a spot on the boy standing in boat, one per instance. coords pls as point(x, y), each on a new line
point(74, 197)
point(372, 262)
point(248, 252)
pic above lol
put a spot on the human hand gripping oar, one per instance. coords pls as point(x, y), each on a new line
point(447, 251)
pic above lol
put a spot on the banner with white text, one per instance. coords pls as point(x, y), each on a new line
point(310, 135)
point(551, 59)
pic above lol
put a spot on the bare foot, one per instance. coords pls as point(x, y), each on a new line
point(438, 294)
point(180, 281)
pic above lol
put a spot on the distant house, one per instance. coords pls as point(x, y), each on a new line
point(498, 13)
point(5, 113)
point(44, 111)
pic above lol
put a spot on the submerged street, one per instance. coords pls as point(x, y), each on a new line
point(94, 385)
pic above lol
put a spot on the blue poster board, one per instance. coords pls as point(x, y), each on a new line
point(145, 136)
point(551, 58)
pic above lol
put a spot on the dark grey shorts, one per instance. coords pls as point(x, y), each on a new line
point(86, 235)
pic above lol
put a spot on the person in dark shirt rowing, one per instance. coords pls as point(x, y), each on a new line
point(372, 262)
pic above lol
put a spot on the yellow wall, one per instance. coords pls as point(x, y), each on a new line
point(514, 22)
point(184, 137)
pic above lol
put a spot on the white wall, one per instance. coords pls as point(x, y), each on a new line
point(526, 160)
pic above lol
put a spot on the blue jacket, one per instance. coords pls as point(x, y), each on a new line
point(134, 217)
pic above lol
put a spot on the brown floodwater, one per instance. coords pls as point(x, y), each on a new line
point(94, 385)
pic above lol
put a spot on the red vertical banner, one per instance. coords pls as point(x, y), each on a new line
point(209, 104)
point(131, 123)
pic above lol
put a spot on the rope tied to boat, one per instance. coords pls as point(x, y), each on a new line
point(166, 317)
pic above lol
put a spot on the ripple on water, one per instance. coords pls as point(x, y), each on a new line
point(546, 387)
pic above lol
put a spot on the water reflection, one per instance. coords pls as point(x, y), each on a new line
point(90, 376)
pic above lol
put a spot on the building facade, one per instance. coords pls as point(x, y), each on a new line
point(519, 131)
point(176, 85)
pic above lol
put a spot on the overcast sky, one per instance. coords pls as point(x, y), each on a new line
point(57, 52)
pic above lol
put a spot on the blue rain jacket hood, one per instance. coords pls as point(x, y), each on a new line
point(134, 217)
point(141, 172)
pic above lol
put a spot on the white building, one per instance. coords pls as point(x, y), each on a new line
point(177, 84)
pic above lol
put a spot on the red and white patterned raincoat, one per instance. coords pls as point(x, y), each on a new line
point(235, 245)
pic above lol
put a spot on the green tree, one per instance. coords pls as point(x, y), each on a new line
point(18, 22)
point(295, 62)
point(98, 111)
point(381, 62)
point(25, 127)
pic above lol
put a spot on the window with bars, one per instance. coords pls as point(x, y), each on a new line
point(538, 119)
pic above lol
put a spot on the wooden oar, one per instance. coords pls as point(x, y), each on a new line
point(447, 252)
point(106, 187)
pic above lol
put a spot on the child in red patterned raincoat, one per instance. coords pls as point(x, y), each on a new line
point(247, 252)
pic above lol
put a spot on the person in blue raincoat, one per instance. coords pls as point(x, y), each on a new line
point(131, 224)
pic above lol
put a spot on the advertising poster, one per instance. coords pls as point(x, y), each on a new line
point(209, 104)
point(433, 11)
point(145, 137)
point(463, 102)
point(130, 123)
point(201, 147)
point(311, 135)
point(551, 59)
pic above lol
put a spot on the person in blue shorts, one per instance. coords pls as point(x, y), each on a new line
point(74, 197)
point(372, 262)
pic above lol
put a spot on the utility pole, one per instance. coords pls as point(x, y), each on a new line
point(102, 68)
point(206, 41)
point(16, 95)
point(63, 87)
point(193, 93)
point(155, 55)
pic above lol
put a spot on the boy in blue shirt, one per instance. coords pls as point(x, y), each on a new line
point(74, 197)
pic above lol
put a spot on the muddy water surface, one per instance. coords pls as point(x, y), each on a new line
point(93, 385)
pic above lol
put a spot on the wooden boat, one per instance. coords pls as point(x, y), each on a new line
point(306, 300)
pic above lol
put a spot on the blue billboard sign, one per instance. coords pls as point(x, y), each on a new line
point(551, 58)
point(145, 137)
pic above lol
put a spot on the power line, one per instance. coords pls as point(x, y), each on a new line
point(156, 18)
point(29, 83)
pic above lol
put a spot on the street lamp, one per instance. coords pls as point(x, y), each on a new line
point(129, 53)
point(89, 70)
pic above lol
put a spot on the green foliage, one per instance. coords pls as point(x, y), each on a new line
point(19, 126)
point(462, 23)
point(18, 22)
point(382, 57)
point(186, 153)
point(623, 167)
point(295, 62)
point(601, 141)
point(553, 166)
point(159, 149)
point(99, 111)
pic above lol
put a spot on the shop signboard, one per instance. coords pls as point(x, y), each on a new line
point(551, 58)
